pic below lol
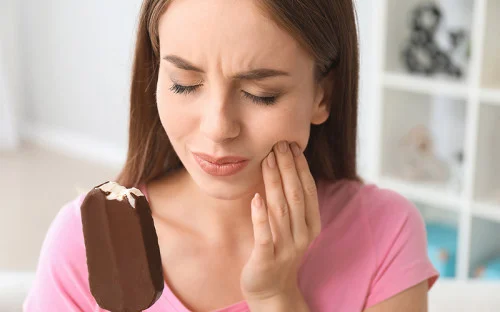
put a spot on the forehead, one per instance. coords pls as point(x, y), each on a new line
point(231, 31)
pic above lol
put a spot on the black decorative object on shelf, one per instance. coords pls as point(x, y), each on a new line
point(422, 53)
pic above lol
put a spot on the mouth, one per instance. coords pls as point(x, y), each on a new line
point(220, 160)
point(227, 166)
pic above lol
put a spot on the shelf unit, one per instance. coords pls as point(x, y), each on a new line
point(403, 100)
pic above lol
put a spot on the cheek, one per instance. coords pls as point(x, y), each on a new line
point(174, 120)
point(299, 129)
point(292, 125)
point(299, 121)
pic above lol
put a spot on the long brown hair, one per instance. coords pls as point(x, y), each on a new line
point(325, 28)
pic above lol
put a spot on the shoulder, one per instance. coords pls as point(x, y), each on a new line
point(378, 206)
point(390, 214)
point(61, 279)
point(64, 244)
point(65, 231)
point(381, 217)
point(388, 231)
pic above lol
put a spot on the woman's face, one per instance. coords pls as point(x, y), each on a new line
point(222, 113)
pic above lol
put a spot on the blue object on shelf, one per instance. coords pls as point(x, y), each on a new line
point(489, 271)
point(442, 247)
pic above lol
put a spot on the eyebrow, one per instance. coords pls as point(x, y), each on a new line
point(255, 74)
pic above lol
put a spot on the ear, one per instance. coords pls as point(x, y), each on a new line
point(323, 98)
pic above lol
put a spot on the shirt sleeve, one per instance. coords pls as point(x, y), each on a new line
point(400, 241)
point(61, 280)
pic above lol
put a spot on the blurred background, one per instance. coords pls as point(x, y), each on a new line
point(429, 125)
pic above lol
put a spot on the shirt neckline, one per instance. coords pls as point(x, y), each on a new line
point(170, 298)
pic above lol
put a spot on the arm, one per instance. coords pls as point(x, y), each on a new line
point(413, 299)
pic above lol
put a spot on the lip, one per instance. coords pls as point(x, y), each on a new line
point(220, 160)
point(225, 169)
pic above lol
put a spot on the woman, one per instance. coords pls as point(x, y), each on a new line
point(243, 139)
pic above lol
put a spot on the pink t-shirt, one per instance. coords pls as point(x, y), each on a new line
point(372, 246)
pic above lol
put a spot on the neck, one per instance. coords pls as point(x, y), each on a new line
point(219, 221)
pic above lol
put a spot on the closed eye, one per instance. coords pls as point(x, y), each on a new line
point(176, 88)
point(268, 100)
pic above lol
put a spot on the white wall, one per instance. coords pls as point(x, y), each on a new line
point(76, 70)
point(9, 73)
point(366, 109)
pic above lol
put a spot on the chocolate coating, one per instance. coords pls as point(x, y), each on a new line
point(123, 255)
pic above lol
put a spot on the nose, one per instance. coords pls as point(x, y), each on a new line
point(218, 121)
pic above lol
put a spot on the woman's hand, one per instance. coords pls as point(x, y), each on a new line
point(283, 228)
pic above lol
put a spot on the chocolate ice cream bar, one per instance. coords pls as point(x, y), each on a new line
point(123, 256)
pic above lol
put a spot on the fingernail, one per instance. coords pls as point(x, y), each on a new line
point(257, 201)
point(295, 149)
point(283, 146)
point(271, 161)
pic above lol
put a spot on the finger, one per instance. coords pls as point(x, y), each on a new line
point(312, 213)
point(294, 193)
point(264, 246)
point(277, 205)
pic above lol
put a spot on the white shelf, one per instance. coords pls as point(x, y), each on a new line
point(490, 74)
point(403, 101)
point(472, 295)
point(485, 244)
point(487, 173)
point(490, 96)
point(427, 193)
point(488, 210)
point(425, 85)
